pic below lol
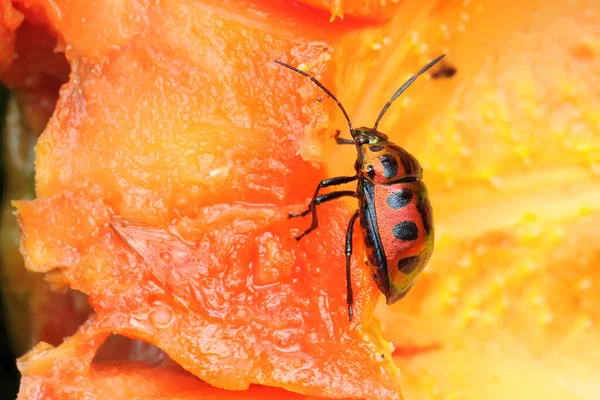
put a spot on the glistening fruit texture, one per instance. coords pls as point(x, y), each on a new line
point(177, 148)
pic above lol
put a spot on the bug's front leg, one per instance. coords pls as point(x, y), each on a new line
point(349, 234)
point(340, 140)
point(319, 200)
point(339, 180)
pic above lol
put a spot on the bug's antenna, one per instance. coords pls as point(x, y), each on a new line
point(404, 87)
point(319, 84)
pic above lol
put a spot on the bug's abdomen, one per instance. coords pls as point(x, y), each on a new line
point(404, 224)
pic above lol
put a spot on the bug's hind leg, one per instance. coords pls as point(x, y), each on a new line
point(338, 180)
point(340, 140)
point(349, 234)
point(319, 200)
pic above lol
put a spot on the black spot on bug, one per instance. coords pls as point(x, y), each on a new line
point(370, 171)
point(408, 264)
point(444, 71)
point(406, 231)
point(390, 165)
point(400, 199)
point(376, 148)
point(424, 209)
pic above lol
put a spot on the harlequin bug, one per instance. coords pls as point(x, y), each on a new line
point(393, 206)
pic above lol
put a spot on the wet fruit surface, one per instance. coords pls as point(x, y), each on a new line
point(178, 129)
point(190, 164)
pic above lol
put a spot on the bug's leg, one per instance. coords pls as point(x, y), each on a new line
point(319, 200)
point(340, 140)
point(339, 180)
point(350, 295)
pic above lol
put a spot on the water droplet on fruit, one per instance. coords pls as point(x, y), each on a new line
point(161, 316)
point(137, 323)
point(166, 256)
point(294, 348)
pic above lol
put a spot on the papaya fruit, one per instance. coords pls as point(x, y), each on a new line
point(177, 148)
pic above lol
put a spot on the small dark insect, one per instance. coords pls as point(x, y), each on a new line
point(444, 71)
point(393, 206)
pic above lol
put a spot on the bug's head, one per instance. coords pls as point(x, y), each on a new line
point(369, 136)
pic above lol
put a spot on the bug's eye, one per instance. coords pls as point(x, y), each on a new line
point(378, 138)
point(362, 140)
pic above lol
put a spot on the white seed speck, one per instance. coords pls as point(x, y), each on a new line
point(414, 36)
point(219, 171)
point(539, 300)
point(496, 181)
point(546, 317)
point(585, 284)
point(465, 151)
point(465, 261)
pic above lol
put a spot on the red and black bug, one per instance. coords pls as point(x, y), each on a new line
point(393, 206)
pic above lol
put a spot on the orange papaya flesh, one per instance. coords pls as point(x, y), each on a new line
point(443, 122)
point(78, 379)
point(177, 171)
point(162, 309)
point(127, 381)
point(366, 10)
point(507, 290)
point(511, 301)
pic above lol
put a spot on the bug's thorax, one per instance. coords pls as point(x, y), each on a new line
point(383, 162)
